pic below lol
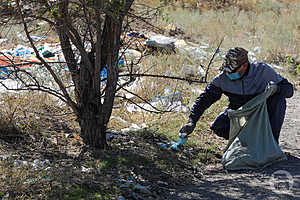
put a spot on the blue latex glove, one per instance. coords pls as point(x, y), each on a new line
point(181, 141)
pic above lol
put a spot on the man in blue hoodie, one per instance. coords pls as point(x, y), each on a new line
point(240, 81)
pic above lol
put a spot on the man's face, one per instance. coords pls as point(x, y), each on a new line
point(238, 72)
point(241, 70)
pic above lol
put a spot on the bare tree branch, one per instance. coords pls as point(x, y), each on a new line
point(164, 76)
point(58, 81)
point(212, 58)
point(143, 108)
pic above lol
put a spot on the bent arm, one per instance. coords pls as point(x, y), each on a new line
point(204, 101)
point(285, 88)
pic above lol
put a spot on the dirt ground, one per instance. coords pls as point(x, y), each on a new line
point(279, 181)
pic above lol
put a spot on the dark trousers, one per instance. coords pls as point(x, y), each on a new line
point(276, 105)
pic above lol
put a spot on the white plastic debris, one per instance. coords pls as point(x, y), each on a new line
point(198, 91)
point(3, 40)
point(131, 54)
point(188, 71)
point(85, 169)
point(121, 198)
point(201, 71)
point(161, 41)
point(257, 49)
point(133, 127)
point(252, 56)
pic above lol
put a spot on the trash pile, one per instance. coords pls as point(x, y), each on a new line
point(138, 45)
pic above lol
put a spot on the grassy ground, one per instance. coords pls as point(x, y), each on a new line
point(35, 128)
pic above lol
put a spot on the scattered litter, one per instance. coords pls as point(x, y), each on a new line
point(119, 118)
point(48, 54)
point(180, 44)
point(188, 71)
point(69, 135)
point(131, 54)
point(4, 157)
point(30, 181)
point(41, 163)
point(124, 186)
point(136, 34)
point(161, 43)
point(22, 51)
point(103, 74)
point(36, 164)
point(131, 179)
point(34, 38)
point(133, 127)
point(3, 40)
point(162, 183)
point(111, 135)
point(121, 63)
point(121, 198)
point(85, 169)
point(201, 71)
point(257, 49)
point(198, 91)
point(252, 56)
point(3, 73)
point(167, 145)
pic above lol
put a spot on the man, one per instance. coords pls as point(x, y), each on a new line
point(240, 81)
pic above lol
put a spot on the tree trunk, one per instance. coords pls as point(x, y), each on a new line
point(94, 114)
point(93, 127)
point(93, 131)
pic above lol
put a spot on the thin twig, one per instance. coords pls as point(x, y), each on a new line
point(212, 58)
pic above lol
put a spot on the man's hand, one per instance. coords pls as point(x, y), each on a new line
point(187, 128)
point(181, 141)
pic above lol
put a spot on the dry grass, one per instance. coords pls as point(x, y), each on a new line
point(272, 27)
point(38, 124)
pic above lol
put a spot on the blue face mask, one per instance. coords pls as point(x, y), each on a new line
point(233, 76)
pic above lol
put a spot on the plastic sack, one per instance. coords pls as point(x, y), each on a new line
point(251, 142)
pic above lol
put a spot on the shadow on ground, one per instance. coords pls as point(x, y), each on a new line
point(279, 181)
